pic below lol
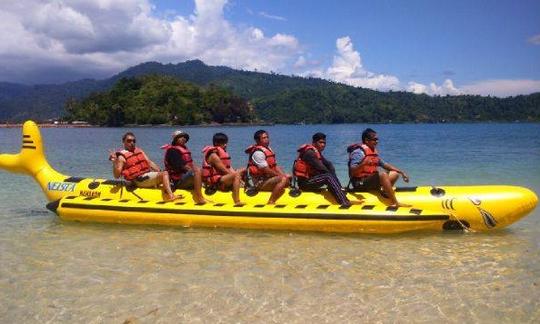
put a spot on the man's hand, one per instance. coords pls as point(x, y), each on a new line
point(112, 155)
point(404, 176)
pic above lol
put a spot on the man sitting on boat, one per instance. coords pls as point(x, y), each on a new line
point(217, 171)
point(364, 162)
point(178, 162)
point(263, 169)
point(133, 164)
point(314, 171)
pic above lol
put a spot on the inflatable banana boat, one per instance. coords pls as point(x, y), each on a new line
point(477, 208)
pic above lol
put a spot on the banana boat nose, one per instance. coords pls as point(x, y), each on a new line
point(532, 198)
point(517, 203)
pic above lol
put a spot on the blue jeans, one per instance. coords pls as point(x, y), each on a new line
point(186, 182)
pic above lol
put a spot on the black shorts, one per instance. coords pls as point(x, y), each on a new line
point(371, 182)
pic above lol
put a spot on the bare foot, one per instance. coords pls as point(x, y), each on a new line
point(400, 205)
point(239, 203)
point(357, 202)
point(173, 198)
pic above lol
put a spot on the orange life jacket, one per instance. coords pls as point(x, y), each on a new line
point(186, 156)
point(135, 165)
point(302, 169)
point(268, 153)
point(372, 158)
point(210, 174)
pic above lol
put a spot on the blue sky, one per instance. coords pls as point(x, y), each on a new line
point(433, 47)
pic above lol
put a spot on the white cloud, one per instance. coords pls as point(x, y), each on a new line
point(269, 16)
point(257, 34)
point(283, 40)
point(347, 68)
point(300, 62)
point(87, 26)
point(417, 88)
point(446, 88)
point(534, 39)
point(503, 88)
point(60, 40)
point(44, 42)
point(60, 22)
point(314, 73)
point(496, 88)
point(303, 63)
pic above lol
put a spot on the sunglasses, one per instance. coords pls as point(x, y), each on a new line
point(374, 139)
point(131, 140)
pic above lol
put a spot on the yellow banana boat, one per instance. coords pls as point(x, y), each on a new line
point(478, 208)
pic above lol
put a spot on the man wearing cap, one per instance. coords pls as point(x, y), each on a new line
point(179, 164)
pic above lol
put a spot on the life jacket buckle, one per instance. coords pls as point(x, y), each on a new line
point(295, 192)
point(210, 190)
point(251, 191)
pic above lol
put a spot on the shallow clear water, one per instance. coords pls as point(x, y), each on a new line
point(55, 271)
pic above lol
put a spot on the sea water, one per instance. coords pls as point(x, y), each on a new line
point(56, 271)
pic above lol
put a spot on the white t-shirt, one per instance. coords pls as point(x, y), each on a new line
point(259, 159)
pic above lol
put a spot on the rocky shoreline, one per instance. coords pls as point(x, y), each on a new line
point(48, 125)
point(84, 125)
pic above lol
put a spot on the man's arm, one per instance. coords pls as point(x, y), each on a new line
point(118, 165)
point(259, 159)
point(280, 171)
point(357, 160)
point(390, 167)
point(329, 165)
point(151, 163)
point(311, 158)
point(214, 160)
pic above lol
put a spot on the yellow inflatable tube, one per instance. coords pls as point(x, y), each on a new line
point(477, 208)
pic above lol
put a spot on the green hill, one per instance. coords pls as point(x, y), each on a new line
point(159, 99)
point(279, 98)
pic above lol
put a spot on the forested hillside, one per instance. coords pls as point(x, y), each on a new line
point(275, 98)
point(158, 99)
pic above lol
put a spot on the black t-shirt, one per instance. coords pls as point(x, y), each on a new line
point(320, 166)
point(175, 161)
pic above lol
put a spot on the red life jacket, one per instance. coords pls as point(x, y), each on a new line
point(135, 165)
point(270, 159)
point(186, 156)
point(372, 158)
point(210, 174)
point(301, 168)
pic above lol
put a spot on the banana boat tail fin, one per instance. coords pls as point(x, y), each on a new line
point(31, 160)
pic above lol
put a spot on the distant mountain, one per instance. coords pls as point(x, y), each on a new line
point(40, 102)
point(279, 98)
point(19, 102)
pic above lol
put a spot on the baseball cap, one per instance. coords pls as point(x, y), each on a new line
point(179, 133)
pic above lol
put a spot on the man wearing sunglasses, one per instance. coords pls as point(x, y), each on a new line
point(133, 164)
point(364, 162)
